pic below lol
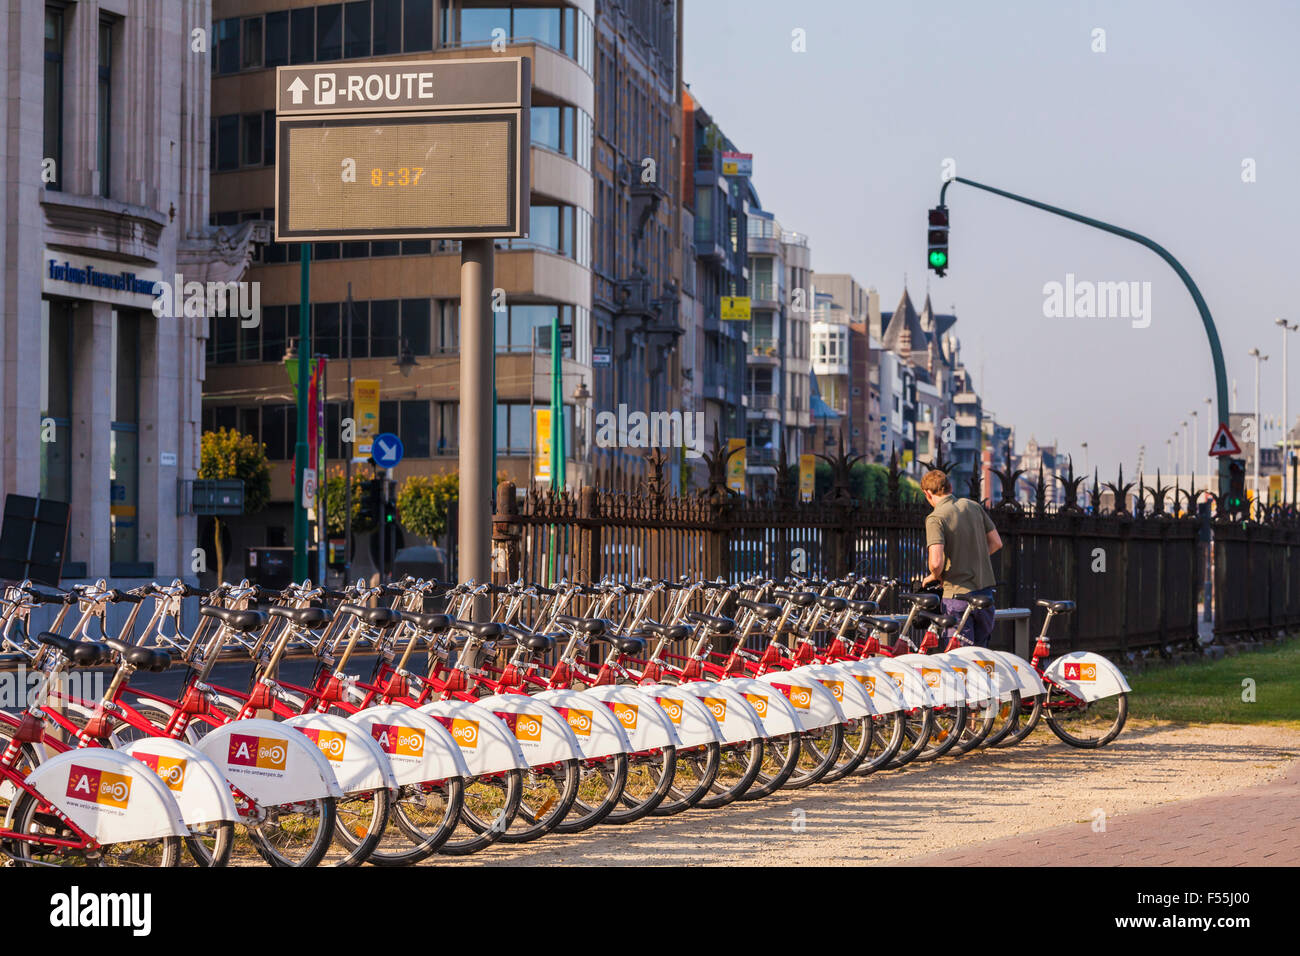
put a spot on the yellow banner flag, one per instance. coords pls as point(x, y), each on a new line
point(736, 465)
point(365, 401)
point(807, 476)
point(542, 444)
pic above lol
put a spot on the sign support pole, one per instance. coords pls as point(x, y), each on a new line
point(477, 416)
point(304, 378)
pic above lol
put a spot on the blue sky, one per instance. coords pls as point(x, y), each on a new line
point(848, 140)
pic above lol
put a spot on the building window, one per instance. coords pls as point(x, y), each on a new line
point(253, 125)
point(227, 52)
point(448, 326)
point(387, 27)
point(53, 144)
point(124, 451)
point(356, 29)
point(56, 400)
point(251, 44)
point(329, 32)
point(514, 428)
point(105, 118)
point(415, 325)
point(302, 34)
point(277, 38)
point(227, 140)
point(417, 26)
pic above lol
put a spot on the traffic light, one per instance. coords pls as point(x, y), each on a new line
point(390, 503)
point(1236, 484)
point(370, 503)
point(938, 240)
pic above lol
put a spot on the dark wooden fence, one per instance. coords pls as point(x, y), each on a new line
point(1135, 570)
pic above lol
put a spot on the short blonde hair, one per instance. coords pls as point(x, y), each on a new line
point(936, 482)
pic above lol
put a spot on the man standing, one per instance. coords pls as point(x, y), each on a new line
point(959, 537)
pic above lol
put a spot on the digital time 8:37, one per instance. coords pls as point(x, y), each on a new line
point(403, 176)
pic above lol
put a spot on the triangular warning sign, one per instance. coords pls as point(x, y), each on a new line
point(1224, 443)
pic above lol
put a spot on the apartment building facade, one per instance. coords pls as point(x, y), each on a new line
point(104, 106)
point(402, 325)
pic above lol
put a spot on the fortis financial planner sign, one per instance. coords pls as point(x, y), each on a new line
point(403, 150)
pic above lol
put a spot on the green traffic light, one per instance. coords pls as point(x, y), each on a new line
point(938, 258)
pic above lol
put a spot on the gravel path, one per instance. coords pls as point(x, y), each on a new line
point(894, 816)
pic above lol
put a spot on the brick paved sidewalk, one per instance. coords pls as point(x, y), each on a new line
point(1256, 826)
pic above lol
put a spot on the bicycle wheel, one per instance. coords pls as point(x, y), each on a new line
point(697, 768)
point(33, 816)
point(294, 834)
point(211, 844)
point(818, 751)
point(1008, 711)
point(780, 755)
point(491, 802)
point(1085, 724)
point(1024, 724)
point(649, 778)
point(361, 819)
point(886, 741)
point(600, 788)
point(738, 768)
point(946, 730)
point(549, 794)
point(918, 724)
point(858, 733)
point(422, 818)
point(979, 724)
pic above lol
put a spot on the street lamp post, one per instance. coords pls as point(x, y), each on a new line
point(1194, 458)
point(1259, 437)
point(1286, 411)
point(1084, 446)
point(1184, 463)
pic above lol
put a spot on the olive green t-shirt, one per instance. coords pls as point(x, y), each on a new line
point(962, 527)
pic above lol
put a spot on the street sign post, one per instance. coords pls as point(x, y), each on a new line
point(1224, 443)
point(386, 450)
point(417, 149)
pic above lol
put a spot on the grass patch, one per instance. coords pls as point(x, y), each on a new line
point(1210, 692)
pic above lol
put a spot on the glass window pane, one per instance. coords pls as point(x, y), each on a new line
point(356, 29)
point(415, 429)
point(544, 226)
point(538, 23)
point(356, 250)
point(252, 44)
point(416, 247)
point(225, 331)
point(388, 27)
point(124, 484)
point(385, 247)
point(383, 328)
point(360, 328)
point(389, 418)
point(249, 423)
point(277, 38)
point(520, 428)
point(476, 25)
point(415, 325)
point(272, 333)
point(302, 35)
point(228, 142)
point(253, 124)
point(268, 146)
point(228, 45)
point(329, 32)
point(273, 431)
point(325, 331)
point(417, 26)
point(546, 126)
point(325, 250)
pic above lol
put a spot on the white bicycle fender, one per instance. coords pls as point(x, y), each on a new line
point(486, 743)
point(109, 795)
point(1031, 685)
point(999, 672)
point(1087, 675)
point(692, 719)
point(193, 778)
point(879, 687)
point(598, 732)
point(736, 717)
point(360, 765)
point(979, 687)
point(816, 705)
point(848, 693)
point(945, 684)
point(270, 762)
point(542, 734)
point(643, 720)
point(907, 682)
point(774, 710)
point(418, 748)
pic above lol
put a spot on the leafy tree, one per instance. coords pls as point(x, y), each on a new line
point(336, 501)
point(227, 454)
point(423, 502)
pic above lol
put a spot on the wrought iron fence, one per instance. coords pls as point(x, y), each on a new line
point(1132, 557)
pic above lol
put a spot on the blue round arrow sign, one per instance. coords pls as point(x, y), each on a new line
point(386, 450)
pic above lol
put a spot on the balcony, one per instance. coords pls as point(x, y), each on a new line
point(764, 405)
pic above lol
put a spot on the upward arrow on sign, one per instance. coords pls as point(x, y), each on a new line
point(297, 88)
point(1224, 443)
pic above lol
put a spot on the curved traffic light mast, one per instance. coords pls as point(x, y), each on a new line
point(1211, 333)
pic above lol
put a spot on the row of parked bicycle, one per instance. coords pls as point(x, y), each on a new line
point(510, 712)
